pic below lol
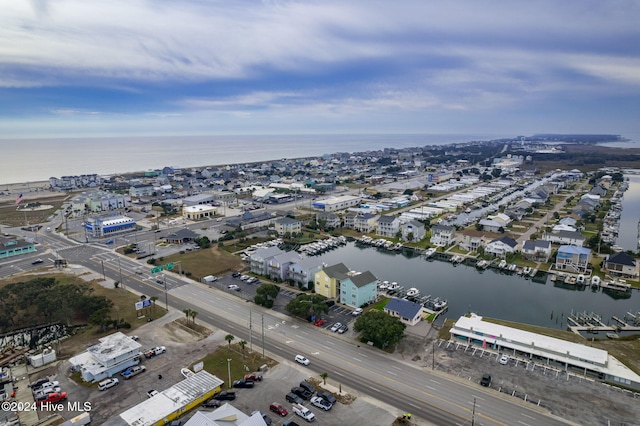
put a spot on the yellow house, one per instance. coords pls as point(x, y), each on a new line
point(327, 281)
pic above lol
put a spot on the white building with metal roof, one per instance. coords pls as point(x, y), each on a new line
point(115, 352)
point(544, 349)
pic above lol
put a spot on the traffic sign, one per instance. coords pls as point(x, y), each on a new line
point(169, 266)
point(157, 269)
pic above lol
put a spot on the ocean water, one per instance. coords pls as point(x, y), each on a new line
point(33, 160)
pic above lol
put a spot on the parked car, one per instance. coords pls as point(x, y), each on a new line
point(133, 371)
point(254, 377)
point(504, 360)
point(37, 261)
point(301, 392)
point(243, 383)
point(212, 403)
point(486, 380)
point(307, 386)
point(327, 396)
point(152, 393)
point(38, 383)
point(53, 397)
point(321, 403)
point(343, 328)
point(302, 360)
point(320, 323)
point(225, 396)
point(42, 393)
point(330, 303)
point(236, 275)
point(266, 418)
point(290, 423)
point(335, 327)
point(277, 408)
point(108, 383)
point(233, 287)
point(304, 412)
point(357, 312)
point(293, 398)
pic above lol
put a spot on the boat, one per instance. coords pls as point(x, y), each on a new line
point(187, 373)
point(430, 252)
point(413, 292)
point(526, 270)
point(595, 281)
point(384, 285)
point(580, 280)
point(467, 211)
point(613, 336)
point(439, 304)
point(502, 264)
point(393, 286)
point(570, 279)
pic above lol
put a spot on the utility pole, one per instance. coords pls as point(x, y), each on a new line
point(120, 269)
point(104, 277)
point(262, 335)
point(250, 333)
point(433, 356)
point(166, 297)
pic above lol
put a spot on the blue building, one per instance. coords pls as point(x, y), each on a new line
point(103, 227)
point(358, 288)
point(13, 247)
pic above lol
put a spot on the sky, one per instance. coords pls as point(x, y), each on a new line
point(93, 68)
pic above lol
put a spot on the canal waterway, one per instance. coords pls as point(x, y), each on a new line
point(628, 231)
point(489, 293)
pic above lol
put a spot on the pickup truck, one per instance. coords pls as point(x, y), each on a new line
point(133, 371)
point(304, 412)
point(321, 403)
point(155, 351)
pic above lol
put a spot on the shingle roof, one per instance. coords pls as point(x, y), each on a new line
point(404, 308)
point(621, 258)
point(338, 271)
point(363, 279)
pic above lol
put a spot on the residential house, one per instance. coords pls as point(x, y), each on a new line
point(358, 289)
point(278, 265)
point(409, 313)
point(564, 237)
point(365, 222)
point(442, 235)
point(495, 223)
point(327, 280)
point(141, 190)
point(621, 264)
point(573, 259)
point(350, 220)
point(538, 250)
point(302, 272)
point(259, 261)
point(287, 225)
point(330, 219)
point(472, 239)
point(501, 246)
point(252, 220)
point(388, 226)
point(413, 231)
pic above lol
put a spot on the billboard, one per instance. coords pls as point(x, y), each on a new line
point(143, 304)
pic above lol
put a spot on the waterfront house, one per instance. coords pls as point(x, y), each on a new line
point(573, 259)
point(442, 235)
point(564, 237)
point(501, 246)
point(259, 261)
point(413, 231)
point(365, 222)
point(388, 226)
point(350, 219)
point(471, 239)
point(621, 264)
point(330, 219)
point(278, 265)
point(358, 289)
point(302, 271)
point(287, 225)
point(538, 250)
point(409, 313)
point(327, 280)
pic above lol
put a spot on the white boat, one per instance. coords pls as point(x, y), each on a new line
point(502, 264)
point(580, 279)
point(187, 373)
point(384, 285)
point(413, 292)
point(526, 270)
point(595, 281)
point(430, 252)
point(439, 304)
point(393, 286)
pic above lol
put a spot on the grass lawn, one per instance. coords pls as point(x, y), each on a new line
point(242, 362)
point(200, 263)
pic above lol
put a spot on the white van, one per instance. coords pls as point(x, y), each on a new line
point(108, 383)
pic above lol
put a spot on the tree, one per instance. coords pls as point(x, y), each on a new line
point(229, 338)
point(187, 312)
point(380, 328)
point(324, 377)
point(193, 317)
point(307, 305)
point(266, 294)
point(242, 344)
point(153, 302)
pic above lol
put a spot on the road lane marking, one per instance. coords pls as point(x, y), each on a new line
point(530, 417)
point(357, 360)
point(391, 372)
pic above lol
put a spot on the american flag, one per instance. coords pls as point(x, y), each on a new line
point(19, 199)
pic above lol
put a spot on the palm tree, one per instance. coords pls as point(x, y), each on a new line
point(187, 312)
point(324, 377)
point(229, 338)
point(153, 300)
point(193, 316)
point(242, 344)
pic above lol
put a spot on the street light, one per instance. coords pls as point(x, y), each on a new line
point(229, 369)
point(166, 297)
